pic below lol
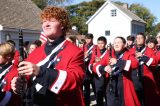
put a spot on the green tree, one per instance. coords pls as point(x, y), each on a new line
point(43, 3)
point(40, 3)
point(145, 14)
point(156, 29)
point(80, 13)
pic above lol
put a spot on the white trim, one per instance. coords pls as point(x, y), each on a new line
point(103, 54)
point(53, 51)
point(97, 70)
point(89, 50)
point(59, 82)
point(43, 38)
point(48, 57)
point(38, 87)
point(51, 62)
point(89, 68)
point(127, 66)
point(5, 71)
point(6, 99)
point(149, 62)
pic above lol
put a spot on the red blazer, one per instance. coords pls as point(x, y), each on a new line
point(96, 53)
point(88, 50)
point(130, 97)
point(16, 57)
point(70, 68)
point(14, 99)
point(158, 57)
point(151, 92)
point(156, 71)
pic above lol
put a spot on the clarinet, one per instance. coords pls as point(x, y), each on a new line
point(22, 77)
point(96, 54)
point(110, 74)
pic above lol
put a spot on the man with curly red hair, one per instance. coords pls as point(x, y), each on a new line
point(55, 68)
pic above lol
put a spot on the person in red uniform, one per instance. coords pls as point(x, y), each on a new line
point(56, 68)
point(130, 42)
point(151, 42)
point(88, 50)
point(16, 54)
point(100, 82)
point(7, 71)
point(117, 65)
point(81, 44)
point(143, 78)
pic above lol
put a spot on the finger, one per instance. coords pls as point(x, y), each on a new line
point(22, 68)
point(23, 63)
point(26, 72)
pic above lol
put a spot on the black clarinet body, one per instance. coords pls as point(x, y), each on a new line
point(111, 77)
point(24, 92)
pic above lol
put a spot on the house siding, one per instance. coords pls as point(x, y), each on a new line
point(14, 35)
point(118, 25)
point(137, 27)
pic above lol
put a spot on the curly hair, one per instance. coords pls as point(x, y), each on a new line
point(59, 14)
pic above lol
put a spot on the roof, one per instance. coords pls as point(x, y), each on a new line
point(127, 12)
point(72, 32)
point(20, 14)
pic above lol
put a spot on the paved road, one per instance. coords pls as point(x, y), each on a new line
point(93, 100)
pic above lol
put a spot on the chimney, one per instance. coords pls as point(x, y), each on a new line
point(125, 5)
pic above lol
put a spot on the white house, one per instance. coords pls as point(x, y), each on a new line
point(16, 14)
point(112, 20)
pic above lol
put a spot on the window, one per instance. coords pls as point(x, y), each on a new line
point(107, 33)
point(114, 13)
point(137, 29)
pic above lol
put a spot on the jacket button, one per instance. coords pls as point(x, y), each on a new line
point(58, 59)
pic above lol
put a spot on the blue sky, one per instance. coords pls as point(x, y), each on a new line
point(152, 5)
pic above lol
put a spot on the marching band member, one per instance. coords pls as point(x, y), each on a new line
point(8, 70)
point(117, 66)
point(143, 78)
point(130, 42)
point(88, 50)
point(56, 68)
point(100, 82)
point(151, 42)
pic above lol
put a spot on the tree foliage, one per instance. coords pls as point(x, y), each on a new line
point(146, 15)
point(156, 29)
point(43, 3)
point(80, 13)
point(40, 3)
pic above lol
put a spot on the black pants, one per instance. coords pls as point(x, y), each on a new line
point(137, 81)
point(114, 92)
point(100, 85)
point(86, 84)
